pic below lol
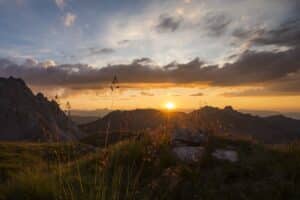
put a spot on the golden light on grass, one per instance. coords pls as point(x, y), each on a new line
point(170, 105)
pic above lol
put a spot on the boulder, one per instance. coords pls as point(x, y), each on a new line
point(189, 154)
point(187, 137)
point(223, 154)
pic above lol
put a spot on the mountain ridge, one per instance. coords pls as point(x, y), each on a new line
point(26, 116)
point(227, 121)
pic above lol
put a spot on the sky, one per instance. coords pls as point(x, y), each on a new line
point(243, 53)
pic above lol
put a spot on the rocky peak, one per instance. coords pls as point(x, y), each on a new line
point(25, 116)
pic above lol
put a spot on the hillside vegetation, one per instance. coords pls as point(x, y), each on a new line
point(145, 168)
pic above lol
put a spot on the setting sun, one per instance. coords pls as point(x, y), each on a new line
point(170, 106)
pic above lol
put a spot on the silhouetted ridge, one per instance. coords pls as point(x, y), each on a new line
point(25, 116)
point(227, 121)
point(133, 120)
point(274, 129)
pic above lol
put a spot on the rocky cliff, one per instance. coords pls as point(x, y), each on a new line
point(25, 116)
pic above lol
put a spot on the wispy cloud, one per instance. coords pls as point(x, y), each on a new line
point(199, 94)
point(147, 94)
point(217, 23)
point(99, 51)
point(168, 23)
point(69, 19)
point(123, 42)
point(60, 3)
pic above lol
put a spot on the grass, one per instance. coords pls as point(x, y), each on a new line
point(146, 169)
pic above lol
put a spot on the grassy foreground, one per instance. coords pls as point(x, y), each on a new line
point(146, 169)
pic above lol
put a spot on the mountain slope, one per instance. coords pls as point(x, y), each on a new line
point(227, 121)
point(25, 116)
point(272, 129)
point(134, 120)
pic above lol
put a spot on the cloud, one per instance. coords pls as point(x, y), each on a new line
point(286, 86)
point(123, 42)
point(287, 34)
point(217, 23)
point(69, 19)
point(199, 94)
point(278, 71)
point(168, 23)
point(97, 51)
point(48, 63)
point(60, 4)
point(258, 67)
point(30, 62)
point(147, 94)
point(142, 61)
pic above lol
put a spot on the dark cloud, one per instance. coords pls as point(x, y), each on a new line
point(275, 69)
point(97, 51)
point(142, 61)
point(122, 42)
point(286, 86)
point(286, 34)
point(243, 34)
point(147, 94)
point(217, 23)
point(258, 67)
point(199, 94)
point(168, 23)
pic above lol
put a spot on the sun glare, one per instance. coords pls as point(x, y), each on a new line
point(170, 106)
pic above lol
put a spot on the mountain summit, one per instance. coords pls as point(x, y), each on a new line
point(25, 116)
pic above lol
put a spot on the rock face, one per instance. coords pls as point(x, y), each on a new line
point(187, 144)
point(189, 154)
point(187, 137)
point(25, 116)
point(223, 154)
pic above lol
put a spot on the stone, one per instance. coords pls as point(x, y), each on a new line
point(223, 154)
point(187, 137)
point(189, 154)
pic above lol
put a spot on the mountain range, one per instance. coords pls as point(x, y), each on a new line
point(26, 116)
point(227, 121)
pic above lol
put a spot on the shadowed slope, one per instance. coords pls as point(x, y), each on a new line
point(25, 116)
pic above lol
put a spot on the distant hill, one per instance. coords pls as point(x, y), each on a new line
point(88, 113)
point(227, 121)
point(135, 120)
point(78, 119)
point(25, 116)
point(273, 129)
point(266, 113)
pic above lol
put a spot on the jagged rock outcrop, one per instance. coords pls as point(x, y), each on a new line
point(188, 145)
point(225, 154)
point(189, 154)
point(188, 137)
point(25, 116)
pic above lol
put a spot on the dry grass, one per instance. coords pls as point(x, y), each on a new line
point(146, 169)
